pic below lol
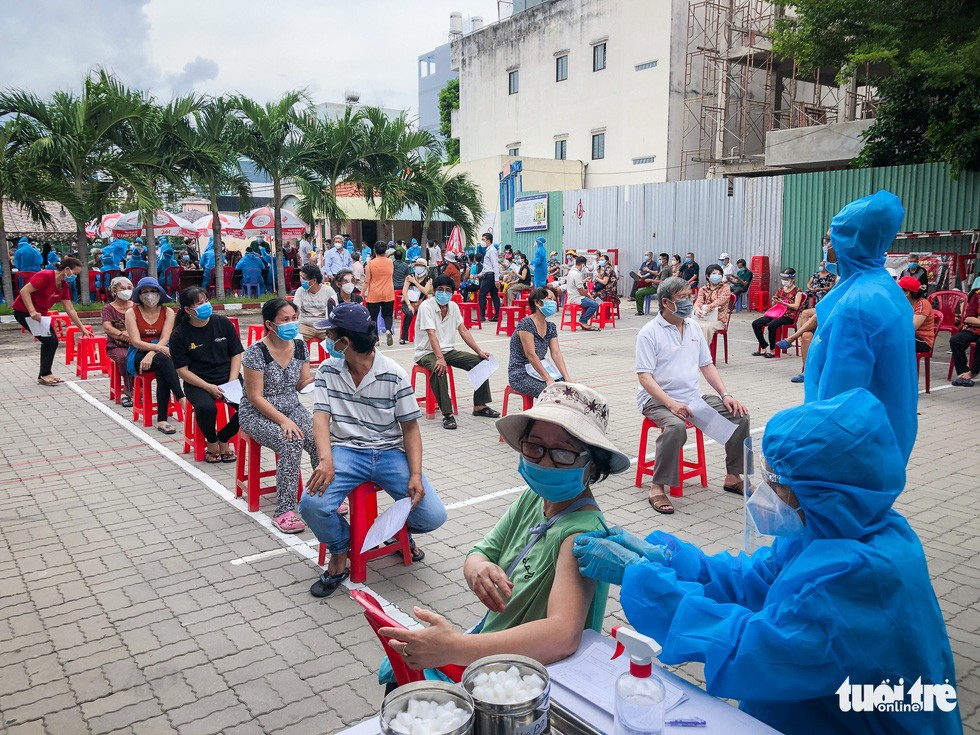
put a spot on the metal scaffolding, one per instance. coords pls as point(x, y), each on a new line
point(736, 90)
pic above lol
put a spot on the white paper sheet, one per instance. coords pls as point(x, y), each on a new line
point(308, 389)
point(41, 328)
point(414, 294)
point(482, 372)
point(710, 421)
point(711, 316)
point(592, 670)
point(548, 365)
point(232, 391)
point(388, 524)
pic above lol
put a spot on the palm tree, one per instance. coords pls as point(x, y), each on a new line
point(22, 187)
point(80, 141)
point(271, 135)
point(211, 160)
point(435, 189)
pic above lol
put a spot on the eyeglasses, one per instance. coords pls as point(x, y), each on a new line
point(560, 457)
point(444, 290)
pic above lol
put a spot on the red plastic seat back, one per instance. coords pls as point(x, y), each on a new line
point(377, 618)
point(946, 302)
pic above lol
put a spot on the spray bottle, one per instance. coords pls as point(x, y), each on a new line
point(639, 695)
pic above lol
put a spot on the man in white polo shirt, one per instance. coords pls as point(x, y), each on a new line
point(670, 349)
point(365, 422)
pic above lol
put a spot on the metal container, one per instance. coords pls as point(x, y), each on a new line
point(433, 691)
point(523, 718)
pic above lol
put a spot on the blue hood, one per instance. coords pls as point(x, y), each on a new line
point(863, 230)
point(851, 433)
point(23, 241)
point(167, 250)
point(53, 258)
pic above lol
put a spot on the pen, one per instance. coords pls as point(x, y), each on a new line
point(604, 525)
point(686, 722)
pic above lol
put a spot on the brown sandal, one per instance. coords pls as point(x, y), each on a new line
point(212, 457)
point(661, 504)
point(229, 456)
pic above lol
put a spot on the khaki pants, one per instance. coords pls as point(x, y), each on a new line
point(439, 384)
point(709, 329)
point(307, 331)
point(672, 439)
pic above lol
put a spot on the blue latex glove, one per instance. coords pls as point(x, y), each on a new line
point(602, 559)
point(619, 535)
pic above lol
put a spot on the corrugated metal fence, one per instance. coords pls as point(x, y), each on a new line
point(932, 200)
point(742, 217)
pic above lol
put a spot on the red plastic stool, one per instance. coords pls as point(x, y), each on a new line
point(688, 470)
point(143, 404)
point(249, 473)
point(605, 315)
point(193, 438)
point(91, 356)
point(507, 319)
point(115, 383)
point(523, 305)
point(363, 501)
point(527, 402)
point(429, 399)
point(70, 344)
point(569, 316)
point(759, 301)
point(321, 354)
point(471, 314)
point(255, 332)
point(234, 321)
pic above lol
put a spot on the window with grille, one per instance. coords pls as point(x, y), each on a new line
point(513, 82)
point(561, 149)
point(598, 146)
point(561, 68)
point(599, 57)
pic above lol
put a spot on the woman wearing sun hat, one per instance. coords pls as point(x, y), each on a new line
point(541, 609)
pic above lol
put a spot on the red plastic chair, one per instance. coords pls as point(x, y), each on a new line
point(107, 277)
point(723, 332)
point(255, 333)
point(135, 274)
point(363, 501)
point(688, 470)
point(249, 473)
point(115, 383)
point(507, 319)
point(229, 272)
point(91, 357)
point(144, 407)
point(234, 320)
point(171, 281)
point(471, 314)
point(569, 316)
point(605, 314)
point(526, 403)
point(318, 355)
point(946, 303)
point(428, 401)
point(925, 357)
point(377, 618)
point(194, 439)
point(783, 333)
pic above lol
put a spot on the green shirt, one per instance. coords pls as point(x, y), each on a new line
point(535, 575)
point(746, 275)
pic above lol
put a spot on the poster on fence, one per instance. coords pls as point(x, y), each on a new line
point(531, 213)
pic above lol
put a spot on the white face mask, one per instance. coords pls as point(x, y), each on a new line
point(787, 282)
point(348, 288)
point(150, 299)
point(338, 245)
point(125, 295)
point(419, 271)
point(602, 262)
point(771, 515)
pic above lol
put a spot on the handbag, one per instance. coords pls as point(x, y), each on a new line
point(775, 311)
point(131, 359)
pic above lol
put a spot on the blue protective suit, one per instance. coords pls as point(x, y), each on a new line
point(540, 264)
point(166, 259)
point(250, 260)
point(781, 630)
point(53, 261)
point(207, 262)
point(27, 257)
point(864, 336)
point(136, 260)
point(349, 246)
point(113, 254)
point(415, 251)
point(270, 264)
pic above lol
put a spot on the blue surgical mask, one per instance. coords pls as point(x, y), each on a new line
point(549, 308)
point(687, 260)
point(771, 515)
point(203, 312)
point(913, 266)
point(443, 298)
point(305, 285)
point(832, 268)
point(329, 346)
point(70, 279)
point(288, 331)
point(556, 484)
point(716, 278)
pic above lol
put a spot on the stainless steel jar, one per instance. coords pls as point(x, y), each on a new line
point(433, 691)
point(522, 718)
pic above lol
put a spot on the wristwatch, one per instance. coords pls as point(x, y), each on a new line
point(725, 395)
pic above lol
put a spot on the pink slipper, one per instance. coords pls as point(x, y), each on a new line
point(289, 523)
point(343, 508)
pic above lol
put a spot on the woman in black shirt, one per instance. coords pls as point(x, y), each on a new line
point(207, 353)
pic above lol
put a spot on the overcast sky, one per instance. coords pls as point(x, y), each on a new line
point(256, 47)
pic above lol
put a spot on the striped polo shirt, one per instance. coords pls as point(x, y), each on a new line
point(368, 416)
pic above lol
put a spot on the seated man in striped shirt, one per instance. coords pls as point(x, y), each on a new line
point(365, 421)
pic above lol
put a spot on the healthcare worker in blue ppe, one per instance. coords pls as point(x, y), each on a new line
point(27, 257)
point(414, 251)
point(207, 262)
point(137, 259)
point(53, 261)
point(843, 593)
point(540, 263)
point(114, 254)
point(864, 323)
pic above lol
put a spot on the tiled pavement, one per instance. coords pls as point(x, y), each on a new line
point(125, 605)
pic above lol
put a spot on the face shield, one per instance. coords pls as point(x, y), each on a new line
point(767, 498)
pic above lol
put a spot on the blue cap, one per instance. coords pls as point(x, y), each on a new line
point(414, 241)
point(352, 317)
point(540, 241)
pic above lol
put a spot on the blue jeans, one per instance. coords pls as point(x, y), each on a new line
point(589, 308)
point(389, 469)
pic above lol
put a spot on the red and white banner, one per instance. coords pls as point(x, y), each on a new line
point(230, 226)
point(455, 243)
point(102, 227)
point(164, 223)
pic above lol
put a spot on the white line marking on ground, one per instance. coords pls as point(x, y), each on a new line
point(258, 557)
point(299, 546)
point(484, 498)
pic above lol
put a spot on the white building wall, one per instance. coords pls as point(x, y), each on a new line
point(632, 107)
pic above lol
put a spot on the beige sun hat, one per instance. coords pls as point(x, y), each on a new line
point(578, 409)
point(421, 261)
